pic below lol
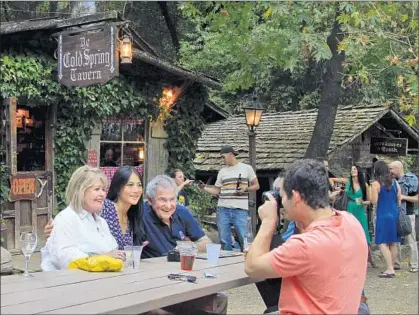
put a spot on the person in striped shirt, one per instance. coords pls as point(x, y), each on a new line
point(234, 182)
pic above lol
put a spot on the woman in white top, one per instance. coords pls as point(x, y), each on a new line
point(78, 230)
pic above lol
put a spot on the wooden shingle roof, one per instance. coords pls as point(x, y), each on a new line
point(281, 137)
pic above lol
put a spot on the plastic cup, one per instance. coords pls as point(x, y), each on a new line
point(187, 251)
point(213, 253)
point(132, 256)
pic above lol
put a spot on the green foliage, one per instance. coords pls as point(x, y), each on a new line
point(184, 128)
point(79, 109)
point(279, 49)
point(4, 185)
point(381, 49)
point(200, 202)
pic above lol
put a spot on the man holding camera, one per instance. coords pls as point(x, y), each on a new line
point(323, 269)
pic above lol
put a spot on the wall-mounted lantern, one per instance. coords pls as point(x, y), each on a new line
point(125, 51)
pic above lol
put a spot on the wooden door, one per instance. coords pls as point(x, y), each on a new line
point(27, 215)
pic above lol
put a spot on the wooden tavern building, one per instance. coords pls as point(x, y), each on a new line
point(28, 131)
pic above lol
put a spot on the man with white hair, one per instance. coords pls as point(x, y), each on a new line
point(167, 222)
point(409, 185)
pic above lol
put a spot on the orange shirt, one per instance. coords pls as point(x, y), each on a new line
point(324, 268)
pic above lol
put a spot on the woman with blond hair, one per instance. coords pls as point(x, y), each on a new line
point(78, 229)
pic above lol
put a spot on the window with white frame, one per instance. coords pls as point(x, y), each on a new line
point(122, 142)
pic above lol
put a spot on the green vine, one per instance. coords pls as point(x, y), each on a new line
point(33, 76)
point(4, 185)
point(184, 128)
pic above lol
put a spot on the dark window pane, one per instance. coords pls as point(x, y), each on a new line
point(111, 130)
point(110, 155)
point(134, 154)
point(30, 139)
point(133, 130)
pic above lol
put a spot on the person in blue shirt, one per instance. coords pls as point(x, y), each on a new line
point(166, 221)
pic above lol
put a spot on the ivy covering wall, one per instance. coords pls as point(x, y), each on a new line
point(33, 76)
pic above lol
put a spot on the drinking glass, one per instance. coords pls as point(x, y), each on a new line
point(187, 251)
point(28, 242)
point(132, 256)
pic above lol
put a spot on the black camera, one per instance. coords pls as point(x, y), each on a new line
point(173, 255)
point(275, 194)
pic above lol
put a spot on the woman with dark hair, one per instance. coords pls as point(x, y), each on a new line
point(123, 207)
point(386, 194)
point(356, 190)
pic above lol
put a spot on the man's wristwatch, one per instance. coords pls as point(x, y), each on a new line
point(246, 189)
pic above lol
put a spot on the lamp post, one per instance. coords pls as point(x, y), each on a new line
point(253, 115)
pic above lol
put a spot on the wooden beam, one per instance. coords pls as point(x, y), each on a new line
point(405, 125)
point(22, 26)
point(33, 25)
point(181, 72)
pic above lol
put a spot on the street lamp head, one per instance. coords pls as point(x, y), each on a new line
point(253, 116)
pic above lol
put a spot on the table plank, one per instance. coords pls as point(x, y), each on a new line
point(38, 275)
point(106, 292)
point(77, 276)
point(150, 299)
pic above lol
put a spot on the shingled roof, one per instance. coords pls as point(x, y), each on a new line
point(281, 137)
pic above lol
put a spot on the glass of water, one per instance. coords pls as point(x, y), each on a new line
point(28, 242)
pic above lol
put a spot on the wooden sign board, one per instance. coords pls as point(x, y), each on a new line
point(89, 57)
point(388, 146)
point(22, 187)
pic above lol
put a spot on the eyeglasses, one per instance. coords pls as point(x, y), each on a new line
point(165, 200)
point(178, 277)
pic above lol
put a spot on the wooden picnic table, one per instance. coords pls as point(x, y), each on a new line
point(126, 292)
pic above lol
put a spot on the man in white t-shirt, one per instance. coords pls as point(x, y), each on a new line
point(234, 182)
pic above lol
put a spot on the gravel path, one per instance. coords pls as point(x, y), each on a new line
point(385, 296)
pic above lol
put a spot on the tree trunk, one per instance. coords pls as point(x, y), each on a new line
point(53, 6)
point(330, 97)
point(170, 26)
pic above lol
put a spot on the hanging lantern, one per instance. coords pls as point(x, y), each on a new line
point(126, 50)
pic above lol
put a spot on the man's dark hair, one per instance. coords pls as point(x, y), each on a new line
point(309, 178)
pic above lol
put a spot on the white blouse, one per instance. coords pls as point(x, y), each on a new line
point(75, 235)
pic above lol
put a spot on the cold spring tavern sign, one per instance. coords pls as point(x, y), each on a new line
point(88, 57)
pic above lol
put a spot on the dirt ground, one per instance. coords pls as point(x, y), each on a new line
point(385, 296)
